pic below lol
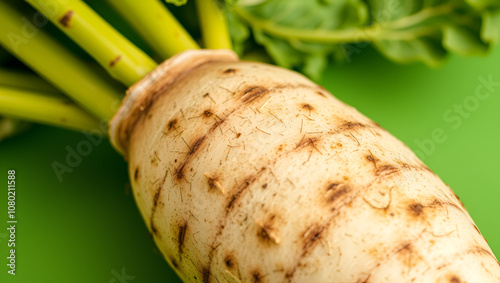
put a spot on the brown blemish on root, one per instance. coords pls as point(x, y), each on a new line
point(181, 236)
point(136, 173)
point(475, 227)
point(437, 203)
point(205, 275)
point(416, 209)
point(213, 182)
point(193, 148)
point(66, 19)
point(253, 92)
point(459, 201)
point(155, 203)
point(371, 158)
point(264, 186)
point(256, 276)
point(267, 231)
point(348, 125)
point(113, 62)
point(311, 237)
point(207, 113)
point(320, 93)
point(153, 227)
point(230, 71)
point(171, 124)
point(455, 279)
point(229, 261)
point(248, 181)
point(155, 198)
point(386, 170)
point(407, 255)
point(307, 107)
point(335, 191)
point(174, 263)
point(481, 250)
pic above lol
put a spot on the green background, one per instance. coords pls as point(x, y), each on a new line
point(87, 227)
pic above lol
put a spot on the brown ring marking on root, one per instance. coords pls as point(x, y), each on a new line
point(230, 71)
point(386, 170)
point(156, 197)
point(241, 188)
point(481, 250)
point(417, 209)
point(193, 149)
point(310, 239)
point(320, 93)
point(181, 237)
point(334, 191)
point(205, 275)
point(459, 201)
point(66, 18)
point(136, 174)
point(253, 92)
point(174, 262)
point(113, 62)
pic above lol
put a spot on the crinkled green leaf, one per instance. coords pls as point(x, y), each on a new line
point(306, 34)
point(463, 41)
point(491, 26)
point(177, 2)
point(427, 50)
point(292, 52)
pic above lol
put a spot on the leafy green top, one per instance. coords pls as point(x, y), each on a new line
point(306, 34)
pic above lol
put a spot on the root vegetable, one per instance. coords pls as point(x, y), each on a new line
point(246, 172)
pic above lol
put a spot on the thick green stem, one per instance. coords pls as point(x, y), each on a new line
point(156, 25)
point(86, 85)
point(42, 108)
point(213, 25)
point(122, 59)
point(25, 80)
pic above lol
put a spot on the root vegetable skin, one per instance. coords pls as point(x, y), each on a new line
point(246, 172)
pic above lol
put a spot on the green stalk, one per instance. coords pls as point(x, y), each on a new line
point(77, 78)
point(213, 25)
point(116, 54)
point(41, 108)
point(25, 80)
point(156, 25)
